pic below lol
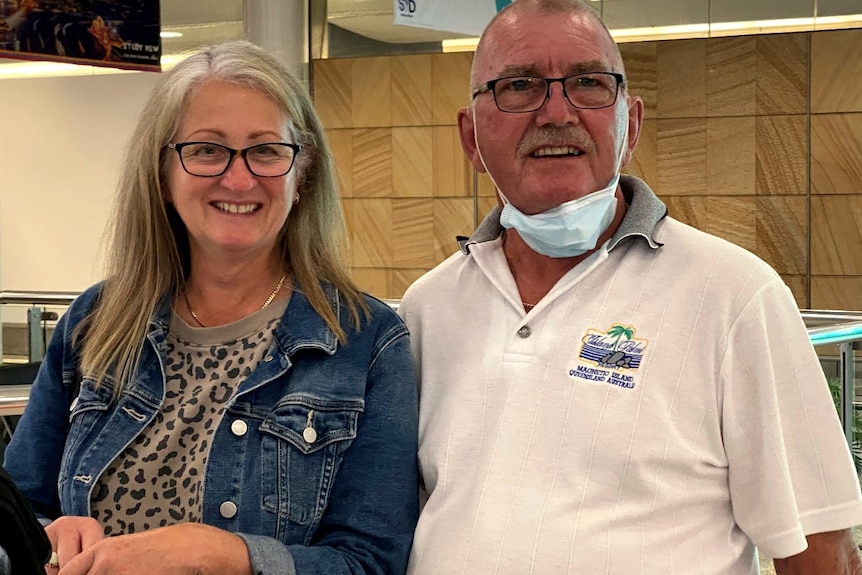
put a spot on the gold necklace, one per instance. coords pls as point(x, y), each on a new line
point(266, 303)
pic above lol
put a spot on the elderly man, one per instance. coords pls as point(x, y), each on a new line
point(603, 388)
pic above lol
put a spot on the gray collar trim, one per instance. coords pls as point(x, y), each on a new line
point(644, 213)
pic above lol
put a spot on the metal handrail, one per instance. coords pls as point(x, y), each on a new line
point(831, 314)
point(38, 297)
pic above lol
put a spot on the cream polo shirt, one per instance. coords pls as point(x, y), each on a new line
point(661, 411)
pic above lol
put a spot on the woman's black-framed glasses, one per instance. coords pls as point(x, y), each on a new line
point(208, 160)
point(528, 93)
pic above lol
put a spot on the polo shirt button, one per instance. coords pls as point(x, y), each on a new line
point(239, 427)
point(524, 332)
point(227, 509)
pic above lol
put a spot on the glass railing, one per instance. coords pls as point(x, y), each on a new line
point(28, 318)
point(837, 336)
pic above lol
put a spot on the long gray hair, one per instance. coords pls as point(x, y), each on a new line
point(148, 248)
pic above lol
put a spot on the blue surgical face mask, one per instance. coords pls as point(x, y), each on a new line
point(571, 229)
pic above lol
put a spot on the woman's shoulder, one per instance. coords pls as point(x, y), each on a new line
point(84, 302)
point(380, 316)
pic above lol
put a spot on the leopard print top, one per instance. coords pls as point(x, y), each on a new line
point(158, 479)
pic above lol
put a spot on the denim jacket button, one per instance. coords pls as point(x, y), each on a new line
point(227, 509)
point(524, 332)
point(309, 435)
point(239, 427)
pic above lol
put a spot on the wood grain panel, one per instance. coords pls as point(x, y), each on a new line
point(333, 92)
point(372, 92)
point(644, 162)
point(450, 86)
point(640, 59)
point(413, 233)
point(371, 232)
point(836, 153)
point(682, 157)
point(734, 219)
point(341, 144)
point(782, 73)
point(681, 72)
point(374, 281)
point(730, 76)
point(372, 163)
point(836, 235)
point(411, 90)
point(412, 163)
point(836, 293)
point(836, 71)
point(798, 285)
point(730, 156)
point(782, 233)
point(691, 210)
point(452, 217)
point(781, 155)
point(452, 173)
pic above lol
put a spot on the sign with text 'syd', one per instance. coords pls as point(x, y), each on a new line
point(457, 16)
point(114, 33)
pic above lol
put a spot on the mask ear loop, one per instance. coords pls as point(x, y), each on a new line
point(479, 152)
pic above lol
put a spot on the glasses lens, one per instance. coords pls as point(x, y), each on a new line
point(270, 160)
point(204, 158)
point(591, 90)
point(521, 94)
point(208, 159)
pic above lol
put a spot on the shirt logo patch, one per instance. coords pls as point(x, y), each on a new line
point(610, 357)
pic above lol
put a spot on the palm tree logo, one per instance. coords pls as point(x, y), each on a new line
point(618, 331)
point(615, 357)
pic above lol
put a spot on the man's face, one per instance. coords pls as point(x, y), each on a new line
point(557, 153)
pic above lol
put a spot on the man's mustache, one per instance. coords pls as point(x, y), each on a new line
point(556, 136)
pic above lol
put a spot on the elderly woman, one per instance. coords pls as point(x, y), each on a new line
point(226, 401)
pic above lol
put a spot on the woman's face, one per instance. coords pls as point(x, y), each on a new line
point(236, 215)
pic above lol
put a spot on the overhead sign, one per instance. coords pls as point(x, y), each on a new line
point(457, 16)
point(115, 33)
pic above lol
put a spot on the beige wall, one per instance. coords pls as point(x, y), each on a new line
point(757, 139)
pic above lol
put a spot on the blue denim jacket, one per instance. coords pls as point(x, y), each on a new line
point(345, 503)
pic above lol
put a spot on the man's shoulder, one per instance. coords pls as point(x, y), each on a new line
point(706, 251)
point(437, 283)
point(684, 236)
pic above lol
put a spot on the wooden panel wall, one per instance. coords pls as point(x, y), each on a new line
point(757, 139)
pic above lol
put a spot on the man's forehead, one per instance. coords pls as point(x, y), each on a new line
point(522, 44)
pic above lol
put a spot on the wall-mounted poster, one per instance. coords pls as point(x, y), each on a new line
point(115, 33)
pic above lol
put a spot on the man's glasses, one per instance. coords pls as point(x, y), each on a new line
point(528, 93)
point(206, 159)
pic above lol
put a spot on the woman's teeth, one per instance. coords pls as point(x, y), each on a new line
point(236, 209)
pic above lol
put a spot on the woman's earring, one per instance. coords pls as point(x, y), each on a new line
point(296, 198)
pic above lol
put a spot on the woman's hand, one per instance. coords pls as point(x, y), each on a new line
point(71, 535)
point(184, 549)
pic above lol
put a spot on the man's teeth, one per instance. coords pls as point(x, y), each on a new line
point(235, 209)
point(563, 151)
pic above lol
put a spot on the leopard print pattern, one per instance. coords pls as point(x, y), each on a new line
point(157, 480)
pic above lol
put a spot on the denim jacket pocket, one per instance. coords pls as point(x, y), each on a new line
point(302, 445)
